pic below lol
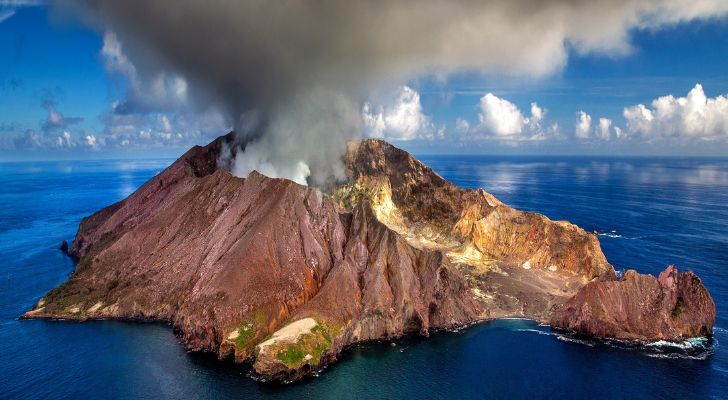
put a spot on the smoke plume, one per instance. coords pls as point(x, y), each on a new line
point(291, 75)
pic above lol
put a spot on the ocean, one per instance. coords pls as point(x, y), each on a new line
point(650, 212)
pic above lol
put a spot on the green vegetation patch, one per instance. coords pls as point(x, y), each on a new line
point(315, 343)
point(63, 298)
point(349, 196)
point(247, 331)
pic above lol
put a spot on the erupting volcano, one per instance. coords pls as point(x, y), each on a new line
point(288, 275)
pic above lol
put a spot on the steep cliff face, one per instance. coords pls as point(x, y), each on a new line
point(381, 288)
point(205, 250)
point(270, 270)
point(673, 307)
point(519, 264)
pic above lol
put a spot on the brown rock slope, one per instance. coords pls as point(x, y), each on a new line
point(672, 307)
point(517, 264)
point(268, 269)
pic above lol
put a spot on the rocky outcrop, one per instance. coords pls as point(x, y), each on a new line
point(518, 264)
point(672, 307)
point(287, 275)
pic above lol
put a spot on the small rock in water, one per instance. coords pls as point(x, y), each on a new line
point(64, 246)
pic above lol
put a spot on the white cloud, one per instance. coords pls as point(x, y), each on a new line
point(55, 121)
point(500, 119)
point(583, 125)
point(54, 117)
point(159, 92)
point(134, 131)
point(695, 116)
point(602, 131)
point(373, 122)
point(162, 130)
point(91, 141)
point(401, 120)
point(500, 116)
point(537, 113)
point(64, 141)
point(639, 118)
point(116, 60)
point(165, 125)
point(604, 128)
point(155, 112)
point(462, 126)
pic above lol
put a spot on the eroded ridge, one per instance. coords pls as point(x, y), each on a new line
point(288, 276)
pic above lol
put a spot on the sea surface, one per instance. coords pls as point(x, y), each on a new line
point(650, 213)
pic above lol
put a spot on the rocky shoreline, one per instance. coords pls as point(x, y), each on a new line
point(287, 276)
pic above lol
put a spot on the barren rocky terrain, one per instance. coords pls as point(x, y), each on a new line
point(287, 275)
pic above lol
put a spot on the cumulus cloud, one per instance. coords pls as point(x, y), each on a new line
point(64, 140)
point(500, 119)
point(583, 125)
point(35, 140)
point(537, 113)
point(403, 119)
point(55, 132)
point(604, 128)
point(91, 141)
point(500, 116)
point(263, 58)
point(694, 116)
point(158, 130)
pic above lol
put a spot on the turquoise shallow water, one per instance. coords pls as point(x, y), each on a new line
point(652, 212)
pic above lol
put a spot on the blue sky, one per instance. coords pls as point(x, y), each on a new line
point(54, 80)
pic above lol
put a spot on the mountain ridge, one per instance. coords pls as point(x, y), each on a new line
point(266, 269)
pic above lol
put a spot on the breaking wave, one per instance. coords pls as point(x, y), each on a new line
point(610, 234)
point(538, 331)
point(693, 349)
point(572, 339)
point(675, 356)
point(688, 344)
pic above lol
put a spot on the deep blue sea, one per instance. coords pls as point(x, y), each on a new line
point(652, 212)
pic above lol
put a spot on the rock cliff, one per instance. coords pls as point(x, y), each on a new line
point(286, 275)
point(672, 307)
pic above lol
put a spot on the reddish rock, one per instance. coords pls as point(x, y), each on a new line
point(266, 269)
point(672, 307)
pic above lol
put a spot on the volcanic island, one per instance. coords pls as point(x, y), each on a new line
point(287, 276)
